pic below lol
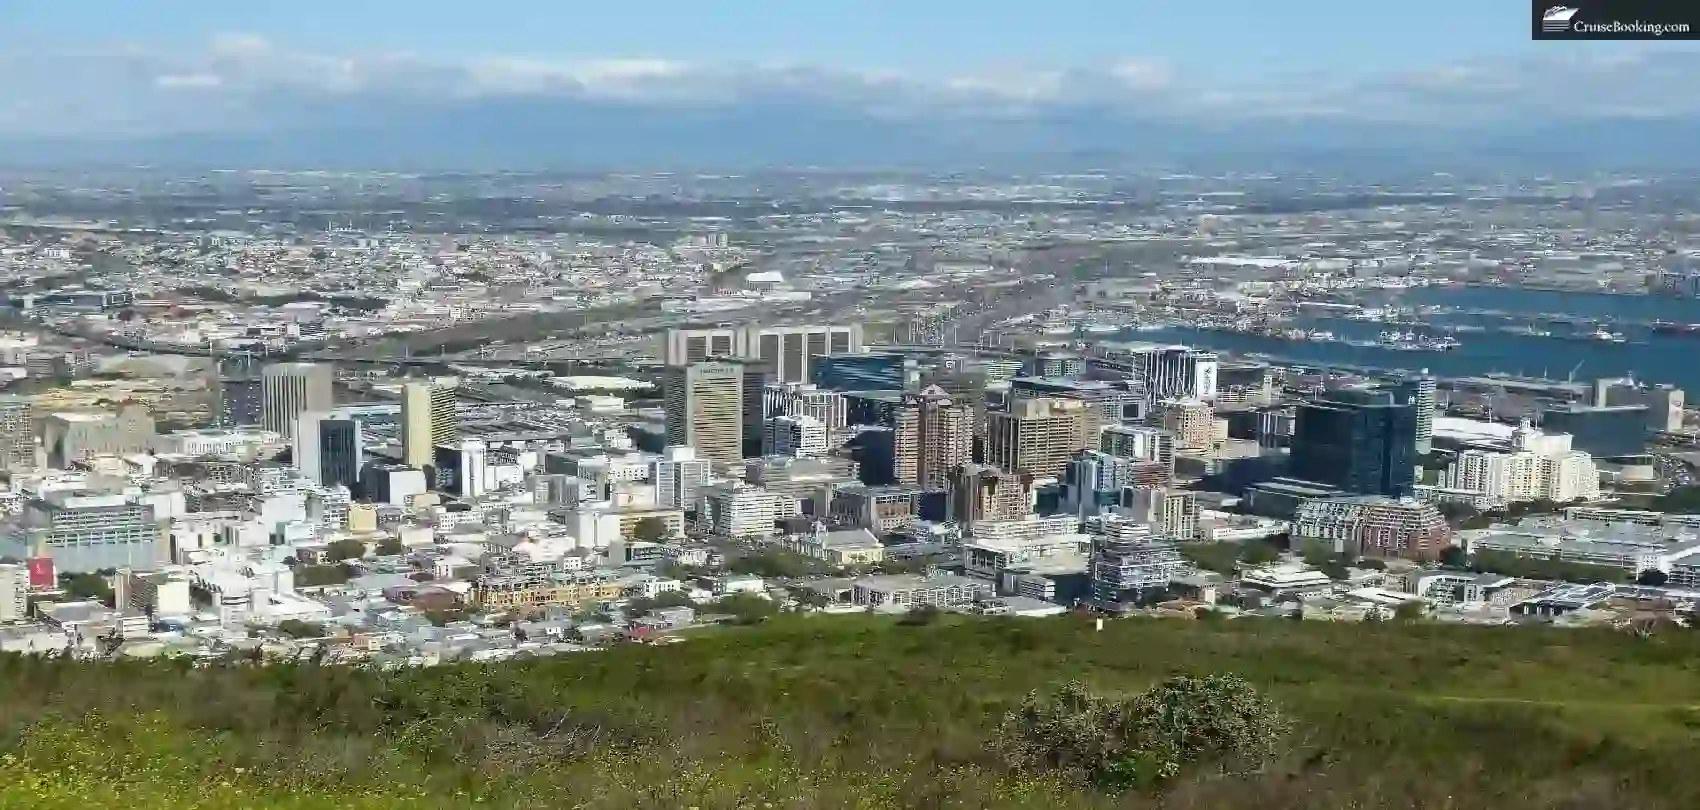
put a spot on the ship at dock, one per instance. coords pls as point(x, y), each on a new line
point(1669, 328)
point(1411, 342)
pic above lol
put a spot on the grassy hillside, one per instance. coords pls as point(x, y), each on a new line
point(861, 713)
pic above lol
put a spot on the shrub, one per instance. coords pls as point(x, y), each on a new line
point(1217, 721)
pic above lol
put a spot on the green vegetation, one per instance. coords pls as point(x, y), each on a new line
point(390, 547)
point(93, 587)
point(1145, 740)
point(639, 606)
point(347, 548)
point(1680, 500)
point(745, 608)
point(859, 712)
point(295, 628)
point(307, 576)
point(650, 530)
point(1503, 562)
point(1223, 558)
point(777, 563)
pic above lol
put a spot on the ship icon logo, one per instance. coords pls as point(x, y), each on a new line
point(1557, 19)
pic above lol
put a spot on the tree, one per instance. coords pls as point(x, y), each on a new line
point(1257, 552)
point(776, 563)
point(920, 616)
point(445, 616)
point(745, 608)
point(90, 586)
point(1652, 577)
point(1454, 557)
point(1317, 554)
point(1216, 721)
point(390, 547)
point(651, 530)
point(347, 548)
point(1410, 611)
point(811, 598)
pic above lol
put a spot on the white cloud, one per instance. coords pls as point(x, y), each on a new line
point(187, 80)
point(244, 80)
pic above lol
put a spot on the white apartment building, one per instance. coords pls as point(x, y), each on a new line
point(1540, 466)
point(737, 510)
point(800, 435)
point(679, 475)
point(14, 593)
point(804, 399)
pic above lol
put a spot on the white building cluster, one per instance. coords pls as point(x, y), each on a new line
point(1538, 466)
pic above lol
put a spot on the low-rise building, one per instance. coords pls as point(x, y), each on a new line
point(1374, 526)
point(581, 589)
point(900, 592)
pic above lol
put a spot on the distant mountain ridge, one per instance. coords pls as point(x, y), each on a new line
point(522, 133)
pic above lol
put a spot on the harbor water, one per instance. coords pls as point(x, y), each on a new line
point(1649, 356)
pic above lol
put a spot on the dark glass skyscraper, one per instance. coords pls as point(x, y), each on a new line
point(1361, 441)
point(339, 452)
point(1604, 431)
point(868, 371)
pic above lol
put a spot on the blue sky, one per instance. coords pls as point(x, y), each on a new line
point(1203, 37)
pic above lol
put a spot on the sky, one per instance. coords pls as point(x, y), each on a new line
point(131, 68)
point(1218, 36)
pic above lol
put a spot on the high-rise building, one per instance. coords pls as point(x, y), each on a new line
point(74, 436)
point(1127, 573)
point(1190, 421)
point(241, 397)
point(1174, 372)
point(1039, 435)
point(1540, 466)
point(1116, 403)
point(1604, 432)
point(1093, 481)
point(1361, 441)
point(86, 531)
point(736, 510)
point(788, 349)
point(705, 409)
point(934, 435)
point(804, 399)
point(288, 389)
point(1419, 391)
point(879, 509)
point(679, 475)
point(1373, 526)
point(427, 420)
point(799, 435)
point(980, 492)
point(866, 371)
point(17, 435)
point(1053, 364)
point(1172, 514)
point(14, 593)
point(757, 376)
point(327, 450)
point(1139, 443)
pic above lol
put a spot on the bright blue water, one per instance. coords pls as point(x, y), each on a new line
point(1650, 356)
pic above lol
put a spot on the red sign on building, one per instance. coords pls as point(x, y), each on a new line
point(41, 574)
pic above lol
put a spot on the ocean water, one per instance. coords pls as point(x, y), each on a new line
point(1649, 356)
